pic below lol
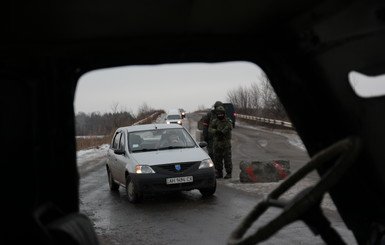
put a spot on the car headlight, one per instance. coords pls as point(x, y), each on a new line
point(207, 163)
point(144, 169)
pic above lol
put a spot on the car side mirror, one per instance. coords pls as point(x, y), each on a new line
point(202, 144)
point(119, 152)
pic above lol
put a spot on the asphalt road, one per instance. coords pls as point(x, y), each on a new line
point(187, 218)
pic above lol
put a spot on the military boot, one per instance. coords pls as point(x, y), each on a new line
point(218, 174)
point(228, 176)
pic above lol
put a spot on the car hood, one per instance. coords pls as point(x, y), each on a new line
point(170, 156)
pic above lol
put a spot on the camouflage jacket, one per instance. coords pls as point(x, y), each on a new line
point(221, 131)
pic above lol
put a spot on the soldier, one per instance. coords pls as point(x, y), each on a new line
point(220, 128)
point(206, 123)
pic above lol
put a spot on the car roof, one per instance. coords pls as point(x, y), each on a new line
point(228, 105)
point(144, 127)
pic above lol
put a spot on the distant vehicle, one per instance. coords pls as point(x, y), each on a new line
point(158, 158)
point(174, 116)
point(182, 112)
point(230, 112)
point(174, 111)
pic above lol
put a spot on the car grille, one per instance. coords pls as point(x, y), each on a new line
point(184, 166)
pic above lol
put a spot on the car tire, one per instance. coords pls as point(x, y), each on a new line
point(111, 182)
point(132, 194)
point(207, 192)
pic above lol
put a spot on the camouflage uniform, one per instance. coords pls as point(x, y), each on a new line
point(210, 116)
point(220, 128)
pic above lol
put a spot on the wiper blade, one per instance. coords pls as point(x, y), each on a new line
point(171, 147)
point(144, 149)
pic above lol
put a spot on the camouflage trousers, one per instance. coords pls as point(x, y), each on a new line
point(222, 156)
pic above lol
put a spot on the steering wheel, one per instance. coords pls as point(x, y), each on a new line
point(306, 204)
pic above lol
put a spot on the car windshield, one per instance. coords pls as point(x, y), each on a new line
point(173, 117)
point(160, 139)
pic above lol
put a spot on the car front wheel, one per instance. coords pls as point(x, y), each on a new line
point(206, 192)
point(113, 185)
point(134, 196)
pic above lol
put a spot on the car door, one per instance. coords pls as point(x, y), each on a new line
point(112, 156)
point(122, 158)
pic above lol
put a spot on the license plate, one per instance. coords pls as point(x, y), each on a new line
point(178, 180)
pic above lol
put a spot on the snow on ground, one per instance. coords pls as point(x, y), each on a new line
point(85, 156)
point(291, 135)
point(263, 189)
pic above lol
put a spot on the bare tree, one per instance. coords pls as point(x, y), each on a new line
point(238, 98)
point(201, 108)
point(255, 98)
point(267, 92)
point(245, 100)
point(272, 106)
point(259, 99)
point(115, 114)
point(120, 116)
point(144, 109)
point(114, 107)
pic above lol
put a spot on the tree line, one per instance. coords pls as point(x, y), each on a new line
point(257, 100)
point(96, 123)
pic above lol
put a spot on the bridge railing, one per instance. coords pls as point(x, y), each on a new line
point(266, 120)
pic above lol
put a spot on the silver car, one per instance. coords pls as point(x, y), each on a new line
point(158, 158)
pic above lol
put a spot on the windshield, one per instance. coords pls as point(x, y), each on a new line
point(160, 139)
point(174, 117)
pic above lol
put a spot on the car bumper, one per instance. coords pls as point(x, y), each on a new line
point(156, 183)
point(179, 122)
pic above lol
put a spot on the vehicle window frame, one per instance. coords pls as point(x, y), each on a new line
point(122, 142)
point(116, 141)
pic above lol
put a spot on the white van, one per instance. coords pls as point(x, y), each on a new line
point(174, 116)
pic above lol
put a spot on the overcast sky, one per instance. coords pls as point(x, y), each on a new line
point(186, 86)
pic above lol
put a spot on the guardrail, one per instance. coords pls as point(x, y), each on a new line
point(267, 120)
